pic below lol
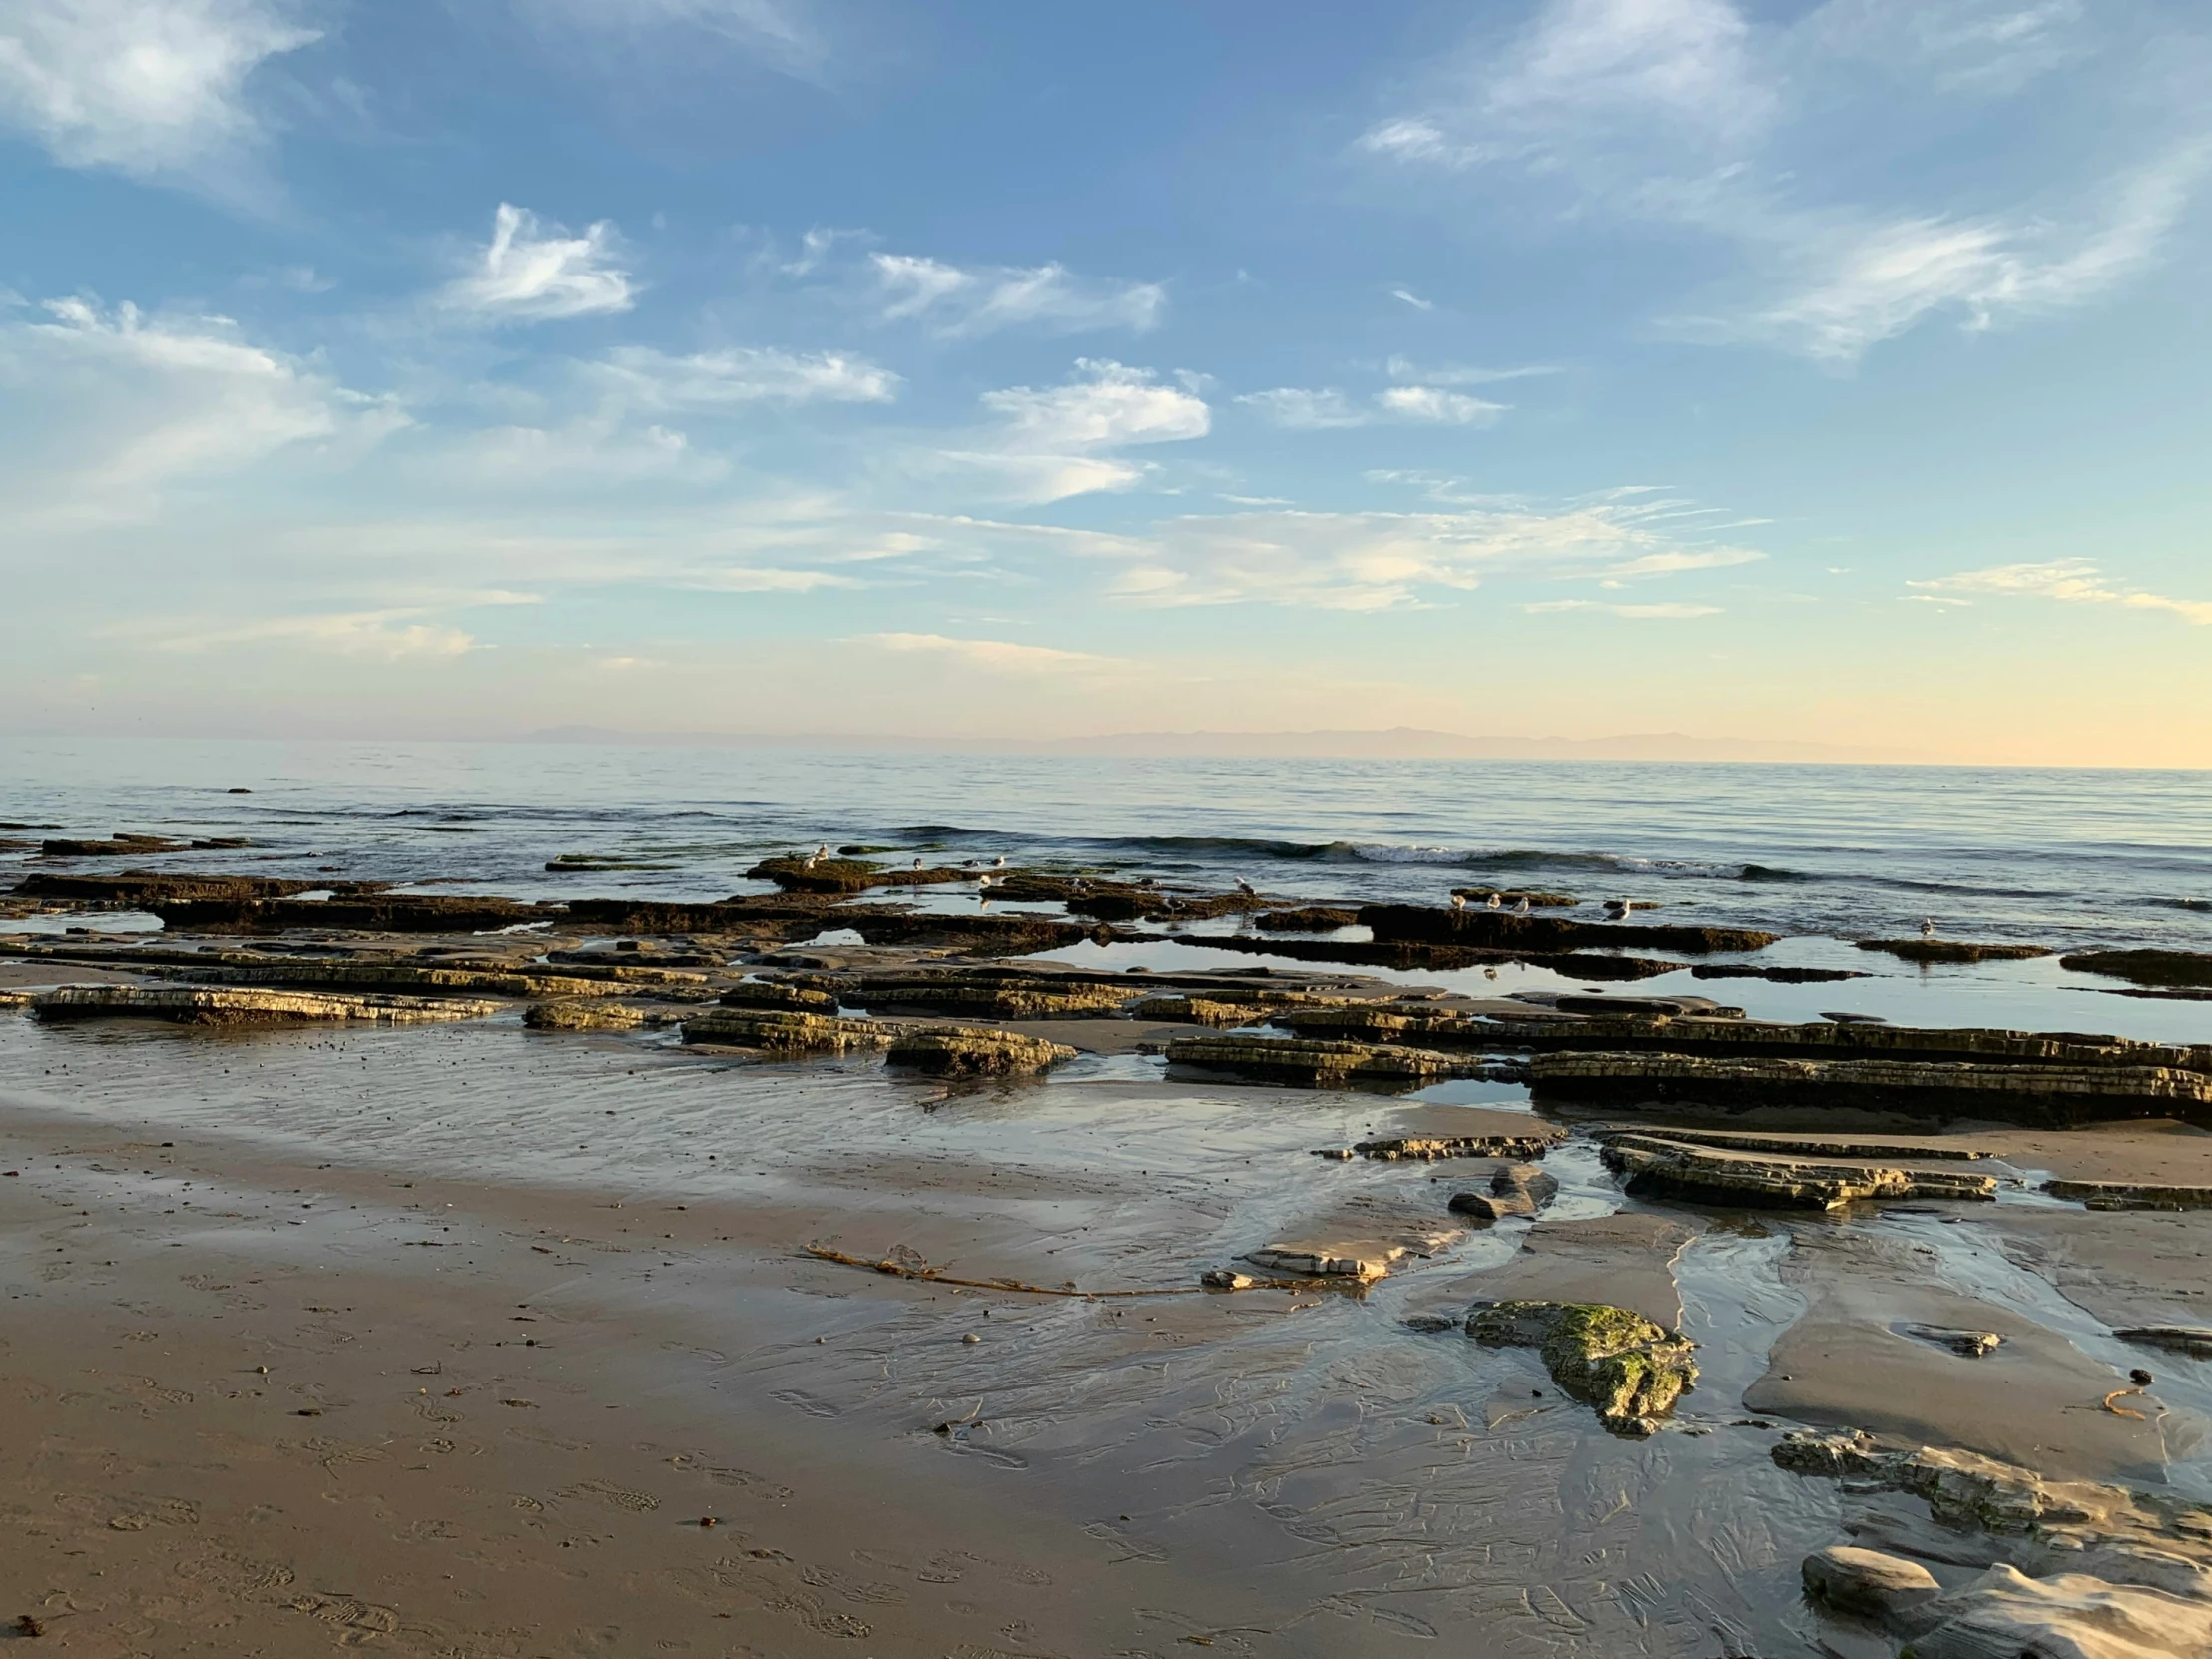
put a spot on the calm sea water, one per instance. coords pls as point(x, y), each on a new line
point(1825, 854)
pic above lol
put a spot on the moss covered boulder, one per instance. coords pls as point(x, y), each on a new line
point(1629, 1368)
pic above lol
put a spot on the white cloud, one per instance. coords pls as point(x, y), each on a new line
point(386, 635)
point(2069, 581)
point(762, 579)
point(104, 408)
point(1646, 613)
point(1409, 297)
point(1379, 561)
point(524, 276)
point(1876, 282)
point(1310, 410)
point(999, 656)
point(147, 87)
point(714, 380)
point(1438, 407)
point(1060, 442)
point(961, 303)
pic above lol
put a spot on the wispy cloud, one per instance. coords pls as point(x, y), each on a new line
point(1380, 561)
point(2068, 581)
point(107, 406)
point(1310, 410)
point(712, 380)
point(960, 302)
point(529, 275)
point(1685, 113)
point(385, 635)
point(999, 656)
point(1876, 282)
point(772, 33)
point(1643, 613)
point(150, 88)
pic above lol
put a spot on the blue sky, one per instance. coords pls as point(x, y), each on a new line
point(1827, 372)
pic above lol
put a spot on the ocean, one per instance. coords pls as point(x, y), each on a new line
point(1826, 854)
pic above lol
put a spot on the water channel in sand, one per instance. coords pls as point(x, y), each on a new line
point(1298, 1473)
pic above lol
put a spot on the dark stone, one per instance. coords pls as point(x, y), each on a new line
point(1953, 950)
point(1500, 931)
point(2145, 967)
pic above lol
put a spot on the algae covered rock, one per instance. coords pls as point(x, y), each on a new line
point(976, 1051)
point(1630, 1369)
point(1954, 950)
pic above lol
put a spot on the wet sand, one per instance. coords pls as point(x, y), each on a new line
point(546, 1299)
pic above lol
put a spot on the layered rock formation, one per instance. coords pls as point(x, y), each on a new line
point(1953, 950)
point(976, 1051)
point(1664, 1167)
point(1501, 930)
point(197, 1005)
point(1316, 1064)
point(786, 1031)
point(2052, 1095)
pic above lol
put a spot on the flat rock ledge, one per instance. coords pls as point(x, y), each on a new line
point(2070, 1569)
point(775, 994)
point(1004, 999)
point(1631, 1370)
point(213, 1005)
point(1954, 950)
point(1657, 1166)
point(2051, 1095)
point(500, 982)
point(782, 1031)
point(1317, 1065)
point(2192, 1340)
point(2130, 1195)
point(976, 1051)
point(1429, 1148)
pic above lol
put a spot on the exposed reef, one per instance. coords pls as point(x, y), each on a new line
point(975, 1051)
point(780, 1031)
point(195, 1006)
point(1502, 930)
point(2145, 967)
point(1953, 950)
point(1658, 1166)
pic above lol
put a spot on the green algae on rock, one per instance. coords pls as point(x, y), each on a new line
point(1628, 1367)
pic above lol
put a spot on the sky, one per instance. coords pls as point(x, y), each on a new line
point(1815, 373)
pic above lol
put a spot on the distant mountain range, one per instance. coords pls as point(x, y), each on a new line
point(1400, 743)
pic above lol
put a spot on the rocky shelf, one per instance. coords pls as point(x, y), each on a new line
point(1953, 950)
point(212, 1005)
point(1501, 930)
point(1652, 1165)
point(2058, 1096)
point(972, 1051)
point(786, 1032)
point(1315, 1064)
point(2187, 968)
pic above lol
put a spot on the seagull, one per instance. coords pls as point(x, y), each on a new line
point(1247, 889)
point(1148, 881)
point(917, 863)
point(1000, 862)
point(1928, 929)
point(1497, 903)
point(822, 852)
point(1521, 909)
point(1458, 901)
point(811, 859)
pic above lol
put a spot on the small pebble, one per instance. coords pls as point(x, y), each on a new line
point(706, 1520)
point(2140, 1377)
point(971, 1336)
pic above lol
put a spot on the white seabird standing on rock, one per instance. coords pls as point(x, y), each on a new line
point(1247, 889)
point(1928, 929)
point(1458, 901)
point(999, 863)
point(1521, 909)
point(917, 863)
point(1497, 903)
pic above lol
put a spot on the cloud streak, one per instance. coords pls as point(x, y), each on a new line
point(963, 303)
point(2067, 581)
